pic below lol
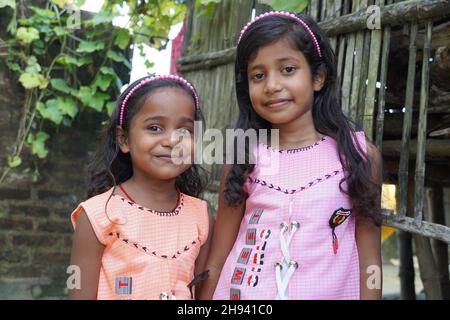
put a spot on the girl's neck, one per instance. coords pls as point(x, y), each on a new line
point(160, 195)
point(299, 133)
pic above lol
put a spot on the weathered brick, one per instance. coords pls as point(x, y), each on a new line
point(27, 210)
point(16, 224)
point(14, 194)
point(12, 255)
point(37, 240)
point(56, 258)
point(64, 214)
point(57, 196)
point(22, 270)
point(5, 239)
point(55, 226)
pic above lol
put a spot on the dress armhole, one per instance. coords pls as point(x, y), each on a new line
point(92, 220)
point(203, 226)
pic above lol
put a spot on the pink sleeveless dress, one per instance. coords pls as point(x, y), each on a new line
point(297, 237)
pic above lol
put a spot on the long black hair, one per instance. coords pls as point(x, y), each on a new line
point(327, 113)
point(110, 166)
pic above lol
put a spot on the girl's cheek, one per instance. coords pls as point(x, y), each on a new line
point(186, 150)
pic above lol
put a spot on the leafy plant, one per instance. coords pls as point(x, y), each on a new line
point(67, 64)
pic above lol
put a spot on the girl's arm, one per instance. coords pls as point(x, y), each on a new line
point(368, 240)
point(226, 229)
point(200, 263)
point(87, 254)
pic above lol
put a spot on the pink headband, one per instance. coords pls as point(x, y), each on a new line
point(155, 78)
point(283, 14)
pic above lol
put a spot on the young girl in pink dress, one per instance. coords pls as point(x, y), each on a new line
point(308, 228)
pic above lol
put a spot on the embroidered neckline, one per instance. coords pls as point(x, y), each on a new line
point(292, 191)
point(295, 150)
point(172, 213)
point(148, 250)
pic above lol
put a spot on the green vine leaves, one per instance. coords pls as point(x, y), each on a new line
point(68, 61)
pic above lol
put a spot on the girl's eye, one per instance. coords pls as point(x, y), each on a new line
point(184, 131)
point(289, 69)
point(257, 76)
point(154, 128)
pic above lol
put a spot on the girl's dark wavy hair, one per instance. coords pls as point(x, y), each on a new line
point(110, 166)
point(328, 116)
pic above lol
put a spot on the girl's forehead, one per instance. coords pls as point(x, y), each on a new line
point(170, 102)
point(279, 50)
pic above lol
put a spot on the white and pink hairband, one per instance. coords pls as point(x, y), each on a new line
point(179, 79)
point(283, 14)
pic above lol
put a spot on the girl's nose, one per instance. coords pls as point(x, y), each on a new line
point(272, 85)
point(171, 139)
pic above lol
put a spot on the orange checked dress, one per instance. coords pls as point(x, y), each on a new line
point(148, 254)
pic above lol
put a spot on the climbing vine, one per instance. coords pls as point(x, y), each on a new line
point(67, 61)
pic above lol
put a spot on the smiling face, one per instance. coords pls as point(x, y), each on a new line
point(280, 84)
point(161, 135)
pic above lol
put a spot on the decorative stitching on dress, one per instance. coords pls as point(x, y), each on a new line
point(296, 149)
point(149, 251)
point(159, 213)
point(292, 191)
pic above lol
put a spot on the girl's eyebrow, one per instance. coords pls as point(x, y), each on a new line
point(154, 118)
point(280, 60)
point(287, 59)
point(187, 119)
point(183, 119)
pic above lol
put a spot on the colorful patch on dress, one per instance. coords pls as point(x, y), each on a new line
point(250, 237)
point(337, 218)
point(235, 294)
point(238, 275)
point(264, 233)
point(258, 258)
point(261, 247)
point(252, 280)
point(123, 285)
point(245, 255)
point(256, 215)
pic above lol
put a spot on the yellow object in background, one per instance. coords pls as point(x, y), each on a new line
point(386, 232)
point(388, 201)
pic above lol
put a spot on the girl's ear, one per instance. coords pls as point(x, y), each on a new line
point(319, 79)
point(122, 140)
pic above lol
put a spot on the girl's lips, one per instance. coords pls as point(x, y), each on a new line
point(170, 159)
point(277, 103)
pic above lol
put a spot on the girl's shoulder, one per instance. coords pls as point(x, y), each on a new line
point(95, 209)
point(194, 203)
point(197, 209)
point(99, 199)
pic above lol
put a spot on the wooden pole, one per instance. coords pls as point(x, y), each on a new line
point(357, 67)
point(440, 248)
point(406, 269)
point(373, 65)
point(314, 4)
point(407, 119)
point(381, 94)
point(427, 262)
point(396, 14)
point(422, 130)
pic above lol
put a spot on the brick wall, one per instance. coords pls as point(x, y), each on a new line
point(35, 229)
